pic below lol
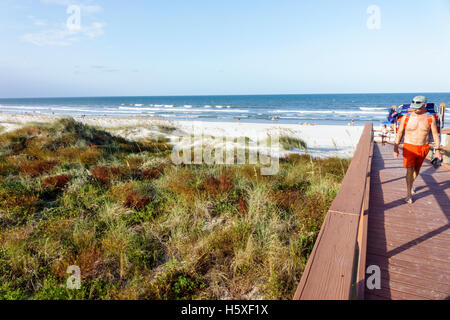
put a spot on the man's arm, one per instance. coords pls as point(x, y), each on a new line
point(399, 136)
point(436, 138)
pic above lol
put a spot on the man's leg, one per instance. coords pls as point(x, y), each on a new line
point(416, 172)
point(415, 175)
point(409, 181)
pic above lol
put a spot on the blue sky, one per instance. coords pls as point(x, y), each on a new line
point(195, 47)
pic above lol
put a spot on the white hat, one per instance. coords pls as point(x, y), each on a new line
point(418, 102)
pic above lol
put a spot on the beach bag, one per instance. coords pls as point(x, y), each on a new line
point(391, 119)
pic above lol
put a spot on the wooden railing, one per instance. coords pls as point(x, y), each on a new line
point(336, 266)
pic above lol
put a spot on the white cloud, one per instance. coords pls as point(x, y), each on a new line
point(61, 35)
point(38, 22)
point(51, 38)
point(64, 36)
point(94, 31)
point(58, 2)
point(85, 8)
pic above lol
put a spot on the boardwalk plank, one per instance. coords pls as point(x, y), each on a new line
point(413, 268)
point(410, 243)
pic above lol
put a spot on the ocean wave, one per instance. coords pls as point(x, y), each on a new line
point(369, 108)
point(327, 112)
point(137, 109)
point(26, 107)
point(184, 110)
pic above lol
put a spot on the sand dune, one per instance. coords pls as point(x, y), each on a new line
point(322, 140)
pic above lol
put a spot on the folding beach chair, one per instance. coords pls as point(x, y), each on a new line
point(438, 112)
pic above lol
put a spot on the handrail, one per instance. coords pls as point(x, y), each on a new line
point(336, 266)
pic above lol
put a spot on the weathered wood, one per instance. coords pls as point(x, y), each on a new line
point(414, 268)
point(362, 235)
point(330, 271)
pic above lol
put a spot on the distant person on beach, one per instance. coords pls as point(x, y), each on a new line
point(393, 115)
point(416, 147)
point(353, 122)
point(384, 134)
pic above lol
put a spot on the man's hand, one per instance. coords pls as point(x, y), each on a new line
point(396, 152)
point(438, 154)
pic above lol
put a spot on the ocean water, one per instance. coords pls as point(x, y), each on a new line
point(314, 108)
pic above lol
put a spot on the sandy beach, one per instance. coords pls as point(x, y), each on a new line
point(322, 140)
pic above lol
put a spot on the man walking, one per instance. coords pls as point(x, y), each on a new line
point(416, 128)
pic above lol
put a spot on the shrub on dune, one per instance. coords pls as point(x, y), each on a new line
point(130, 195)
point(181, 183)
point(154, 173)
point(288, 143)
point(17, 198)
point(36, 168)
point(91, 155)
point(90, 260)
point(68, 154)
point(212, 186)
point(106, 174)
point(56, 182)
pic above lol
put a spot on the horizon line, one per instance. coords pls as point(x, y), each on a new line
point(220, 95)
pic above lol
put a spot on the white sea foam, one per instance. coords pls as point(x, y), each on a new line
point(26, 107)
point(184, 110)
point(291, 118)
point(370, 109)
point(139, 109)
point(138, 105)
point(327, 112)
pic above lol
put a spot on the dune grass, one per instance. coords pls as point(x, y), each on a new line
point(140, 227)
point(288, 143)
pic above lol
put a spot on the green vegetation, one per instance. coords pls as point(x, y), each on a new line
point(166, 128)
point(289, 142)
point(140, 227)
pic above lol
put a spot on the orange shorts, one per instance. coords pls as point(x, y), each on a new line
point(413, 156)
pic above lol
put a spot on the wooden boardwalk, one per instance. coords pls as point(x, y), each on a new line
point(369, 224)
point(410, 243)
